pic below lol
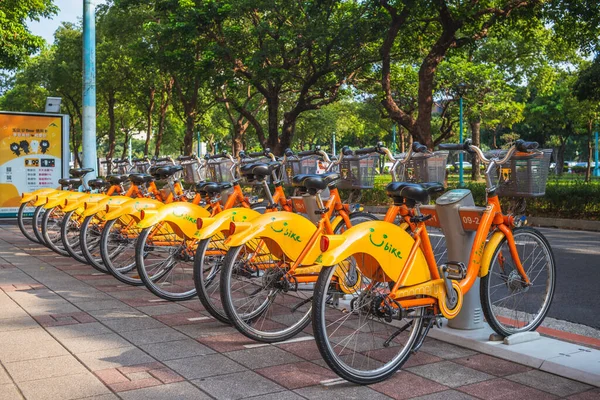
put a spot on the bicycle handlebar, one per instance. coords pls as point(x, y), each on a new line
point(162, 159)
point(187, 158)
point(526, 147)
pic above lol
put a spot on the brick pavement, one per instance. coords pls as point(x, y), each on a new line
point(67, 332)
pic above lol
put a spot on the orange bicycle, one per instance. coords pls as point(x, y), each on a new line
point(365, 336)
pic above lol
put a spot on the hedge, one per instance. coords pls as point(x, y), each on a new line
point(563, 199)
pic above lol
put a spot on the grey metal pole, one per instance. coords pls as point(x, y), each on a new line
point(89, 88)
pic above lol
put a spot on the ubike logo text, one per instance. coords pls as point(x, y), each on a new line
point(387, 246)
point(286, 232)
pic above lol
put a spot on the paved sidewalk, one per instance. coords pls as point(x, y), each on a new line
point(67, 332)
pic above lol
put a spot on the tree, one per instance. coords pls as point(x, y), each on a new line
point(298, 56)
point(437, 28)
point(17, 43)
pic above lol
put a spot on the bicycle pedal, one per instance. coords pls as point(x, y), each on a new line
point(455, 270)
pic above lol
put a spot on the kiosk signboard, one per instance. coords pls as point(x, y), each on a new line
point(34, 154)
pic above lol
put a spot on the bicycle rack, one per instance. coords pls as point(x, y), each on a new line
point(455, 213)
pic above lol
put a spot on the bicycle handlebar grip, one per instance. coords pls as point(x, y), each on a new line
point(347, 151)
point(366, 150)
point(526, 147)
point(161, 159)
point(288, 152)
point(257, 154)
point(185, 158)
point(223, 154)
point(140, 159)
point(121, 161)
point(307, 153)
point(466, 146)
point(419, 148)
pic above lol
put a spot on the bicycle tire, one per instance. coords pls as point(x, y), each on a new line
point(25, 223)
point(36, 224)
point(248, 322)
point(155, 277)
point(118, 252)
point(498, 316)
point(207, 278)
point(89, 242)
point(51, 227)
point(366, 337)
point(71, 242)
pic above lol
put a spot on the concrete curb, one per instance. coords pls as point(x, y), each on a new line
point(565, 359)
point(576, 224)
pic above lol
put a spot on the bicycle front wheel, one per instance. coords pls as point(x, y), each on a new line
point(362, 336)
point(117, 249)
point(509, 304)
point(165, 261)
point(70, 235)
point(24, 217)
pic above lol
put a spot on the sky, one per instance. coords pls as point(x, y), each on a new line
point(70, 11)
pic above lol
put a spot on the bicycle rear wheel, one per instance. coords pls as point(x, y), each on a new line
point(361, 335)
point(24, 220)
point(165, 262)
point(208, 263)
point(117, 249)
point(51, 228)
point(257, 297)
point(36, 224)
point(509, 304)
point(70, 230)
point(89, 242)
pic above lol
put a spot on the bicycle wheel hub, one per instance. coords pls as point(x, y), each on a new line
point(515, 282)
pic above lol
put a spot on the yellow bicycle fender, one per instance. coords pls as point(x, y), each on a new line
point(384, 245)
point(73, 204)
point(221, 221)
point(42, 199)
point(488, 253)
point(131, 207)
point(283, 233)
point(59, 201)
point(26, 197)
point(181, 214)
point(93, 207)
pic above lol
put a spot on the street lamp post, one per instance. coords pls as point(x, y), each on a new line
point(333, 142)
point(461, 92)
point(393, 138)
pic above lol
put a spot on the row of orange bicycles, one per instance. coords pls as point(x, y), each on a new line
point(272, 245)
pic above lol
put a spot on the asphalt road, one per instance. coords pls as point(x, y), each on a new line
point(577, 295)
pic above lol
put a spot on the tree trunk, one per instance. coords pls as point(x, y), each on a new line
point(188, 139)
point(162, 115)
point(588, 170)
point(111, 125)
point(287, 133)
point(149, 119)
point(238, 132)
point(560, 157)
point(475, 137)
point(273, 127)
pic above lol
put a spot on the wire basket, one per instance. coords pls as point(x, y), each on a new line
point(312, 164)
point(193, 172)
point(219, 170)
point(525, 175)
point(358, 172)
point(421, 168)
